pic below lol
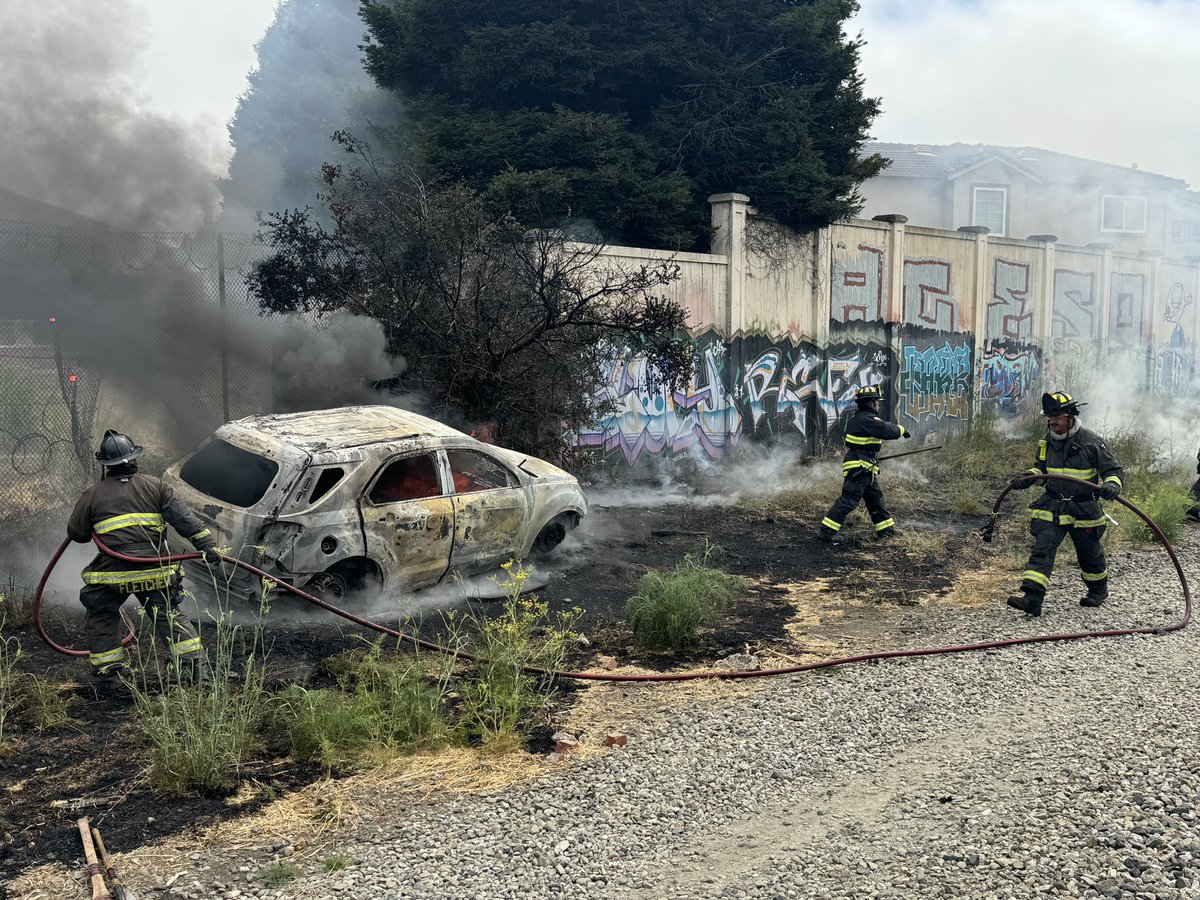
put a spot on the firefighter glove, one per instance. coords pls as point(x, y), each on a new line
point(1020, 483)
point(212, 556)
point(1109, 490)
point(904, 432)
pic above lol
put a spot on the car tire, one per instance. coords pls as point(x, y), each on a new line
point(332, 587)
point(551, 535)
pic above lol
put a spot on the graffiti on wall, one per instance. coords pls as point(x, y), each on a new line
point(1176, 362)
point(1010, 309)
point(643, 417)
point(1009, 374)
point(1126, 295)
point(858, 288)
point(935, 380)
point(929, 294)
point(1073, 327)
point(787, 388)
point(782, 389)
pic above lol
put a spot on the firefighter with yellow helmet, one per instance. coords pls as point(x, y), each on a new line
point(1065, 508)
point(865, 434)
point(130, 512)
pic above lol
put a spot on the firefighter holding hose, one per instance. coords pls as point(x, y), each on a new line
point(1065, 508)
point(130, 512)
point(865, 434)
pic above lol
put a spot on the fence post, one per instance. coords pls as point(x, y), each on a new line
point(728, 215)
point(981, 298)
point(893, 316)
point(1044, 335)
point(224, 326)
point(1106, 268)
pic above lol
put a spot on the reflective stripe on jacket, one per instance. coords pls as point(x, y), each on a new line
point(1083, 455)
point(131, 514)
point(865, 434)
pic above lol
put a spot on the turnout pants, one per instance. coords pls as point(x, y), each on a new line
point(1046, 539)
point(857, 487)
point(104, 628)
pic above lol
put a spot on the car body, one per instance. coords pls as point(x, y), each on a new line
point(365, 498)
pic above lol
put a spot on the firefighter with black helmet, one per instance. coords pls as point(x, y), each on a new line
point(865, 434)
point(1065, 508)
point(130, 512)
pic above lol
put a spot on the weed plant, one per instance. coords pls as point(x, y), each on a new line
point(669, 608)
point(43, 705)
point(382, 706)
point(199, 735)
point(500, 698)
point(280, 873)
point(10, 654)
point(16, 605)
point(337, 862)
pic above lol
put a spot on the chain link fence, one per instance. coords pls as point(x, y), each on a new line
point(148, 326)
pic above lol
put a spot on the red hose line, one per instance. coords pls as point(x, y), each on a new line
point(37, 609)
point(693, 676)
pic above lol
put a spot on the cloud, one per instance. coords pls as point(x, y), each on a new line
point(1112, 80)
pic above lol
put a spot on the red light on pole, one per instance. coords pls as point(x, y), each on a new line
point(53, 319)
point(72, 378)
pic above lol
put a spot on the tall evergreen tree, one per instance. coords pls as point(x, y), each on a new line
point(631, 112)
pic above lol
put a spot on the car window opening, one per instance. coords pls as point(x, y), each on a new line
point(476, 472)
point(230, 474)
point(411, 478)
point(325, 483)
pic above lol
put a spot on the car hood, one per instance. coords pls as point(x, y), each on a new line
point(531, 465)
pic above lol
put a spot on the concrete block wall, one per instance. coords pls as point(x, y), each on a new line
point(787, 327)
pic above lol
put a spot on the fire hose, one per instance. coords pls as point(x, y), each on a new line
point(682, 676)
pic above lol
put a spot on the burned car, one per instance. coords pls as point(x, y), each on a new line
point(365, 498)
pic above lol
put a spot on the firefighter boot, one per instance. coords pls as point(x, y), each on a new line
point(1028, 603)
point(193, 669)
point(828, 536)
point(1094, 598)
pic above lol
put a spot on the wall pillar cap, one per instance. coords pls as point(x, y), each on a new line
point(1099, 245)
point(890, 218)
point(1043, 238)
point(729, 197)
point(1150, 254)
point(974, 229)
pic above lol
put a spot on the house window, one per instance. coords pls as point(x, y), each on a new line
point(1123, 214)
point(991, 209)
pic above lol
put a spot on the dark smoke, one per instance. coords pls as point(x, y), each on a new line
point(76, 132)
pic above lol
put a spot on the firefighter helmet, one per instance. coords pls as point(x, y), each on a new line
point(1060, 402)
point(868, 392)
point(117, 448)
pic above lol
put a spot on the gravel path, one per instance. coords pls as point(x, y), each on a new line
point(1059, 770)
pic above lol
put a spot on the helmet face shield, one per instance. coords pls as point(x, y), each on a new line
point(116, 449)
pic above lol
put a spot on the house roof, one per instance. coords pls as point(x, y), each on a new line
point(951, 160)
point(16, 207)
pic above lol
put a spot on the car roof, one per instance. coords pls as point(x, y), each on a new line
point(345, 426)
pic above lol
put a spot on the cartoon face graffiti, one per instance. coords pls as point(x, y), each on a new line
point(1177, 303)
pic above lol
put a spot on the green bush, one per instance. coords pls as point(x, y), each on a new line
point(669, 608)
point(1165, 504)
point(500, 698)
point(338, 861)
point(380, 706)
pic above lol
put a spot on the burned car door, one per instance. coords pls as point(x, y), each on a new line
point(408, 520)
point(491, 511)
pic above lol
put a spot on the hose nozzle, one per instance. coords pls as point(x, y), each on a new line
point(988, 530)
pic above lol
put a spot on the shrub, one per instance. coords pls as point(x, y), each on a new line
point(668, 609)
point(380, 707)
point(1165, 504)
point(338, 861)
point(501, 697)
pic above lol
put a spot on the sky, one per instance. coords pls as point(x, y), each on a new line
point(1112, 80)
point(150, 85)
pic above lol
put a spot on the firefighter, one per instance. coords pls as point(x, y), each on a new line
point(130, 512)
point(1065, 508)
point(865, 434)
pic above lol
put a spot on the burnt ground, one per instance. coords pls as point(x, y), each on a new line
point(806, 601)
